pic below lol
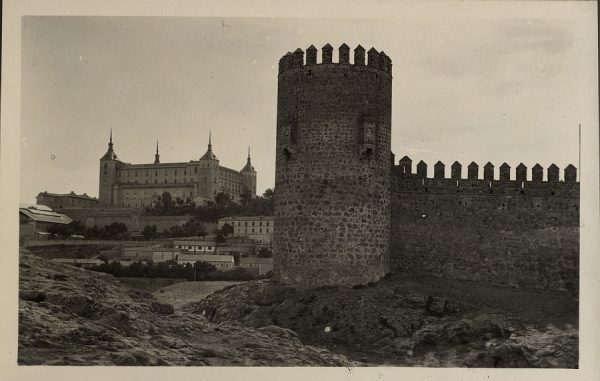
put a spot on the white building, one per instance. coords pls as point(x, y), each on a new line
point(34, 221)
point(257, 228)
point(154, 254)
point(200, 247)
point(221, 262)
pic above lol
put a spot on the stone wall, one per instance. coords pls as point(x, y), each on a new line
point(509, 233)
point(332, 168)
point(163, 222)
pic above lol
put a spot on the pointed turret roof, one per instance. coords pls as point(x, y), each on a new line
point(156, 156)
point(110, 154)
point(248, 167)
point(209, 155)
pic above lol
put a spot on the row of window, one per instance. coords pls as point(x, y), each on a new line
point(260, 231)
point(195, 247)
point(260, 223)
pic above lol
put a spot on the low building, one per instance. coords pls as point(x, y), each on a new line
point(261, 266)
point(229, 249)
point(200, 247)
point(78, 262)
point(257, 228)
point(67, 200)
point(221, 262)
point(155, 254)
point(34, 221)
point(162, 254)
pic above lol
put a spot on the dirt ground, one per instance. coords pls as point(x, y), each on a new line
point(184, 293)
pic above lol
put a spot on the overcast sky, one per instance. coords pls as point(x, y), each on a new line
point(466, 89)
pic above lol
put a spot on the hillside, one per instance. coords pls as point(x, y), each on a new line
point(71, 316)
point(413, 321)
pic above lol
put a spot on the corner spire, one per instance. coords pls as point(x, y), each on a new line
point(248, 167)
point(209, 155)
point(110, 154)
point(156, 156)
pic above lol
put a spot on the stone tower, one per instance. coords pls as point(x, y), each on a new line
point(208, 172)
point(332, 176)
point(249, 176)
point(108, 175)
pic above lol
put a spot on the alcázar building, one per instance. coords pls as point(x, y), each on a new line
point(139, 185)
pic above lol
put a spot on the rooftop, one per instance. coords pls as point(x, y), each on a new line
point(71, 194)
point(42, 213)
point(247, 218)
point(205, 257)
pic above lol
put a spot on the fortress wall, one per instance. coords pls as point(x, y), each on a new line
point(521, 234)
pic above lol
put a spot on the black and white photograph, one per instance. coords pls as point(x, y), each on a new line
point(411, 187)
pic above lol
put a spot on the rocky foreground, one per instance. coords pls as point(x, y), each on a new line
point(413, 321)
point(71, 316)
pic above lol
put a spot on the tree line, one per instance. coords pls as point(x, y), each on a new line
point(113, 231)
point(223, 206)
point(199, 271)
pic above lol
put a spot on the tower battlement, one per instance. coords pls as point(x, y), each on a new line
point(375, 60)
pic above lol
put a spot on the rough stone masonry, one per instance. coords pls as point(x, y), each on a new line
point(332, 209)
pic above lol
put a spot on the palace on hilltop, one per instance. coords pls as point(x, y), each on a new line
point(139, 185)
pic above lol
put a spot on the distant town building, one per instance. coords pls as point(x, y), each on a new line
point(67, 200)
point(154, 254)
point(233, 249)
point(34, 221)
point(200, 247)
point(257, 228)
point(221, 262)
point(139, 185)
point(261, 266)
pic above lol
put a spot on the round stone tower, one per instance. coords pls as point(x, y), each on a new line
point(332, 180)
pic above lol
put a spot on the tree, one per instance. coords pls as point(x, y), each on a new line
point(245, 197)
point(265, 253)
point(227, 230)
point(167, 201)
point(222, 199)
point(150, 232)
point(269, 194)
point(220, 238)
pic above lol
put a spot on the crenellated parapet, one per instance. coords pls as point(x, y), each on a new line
point(375, 60)
point(503, 181)
point(404, 169)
